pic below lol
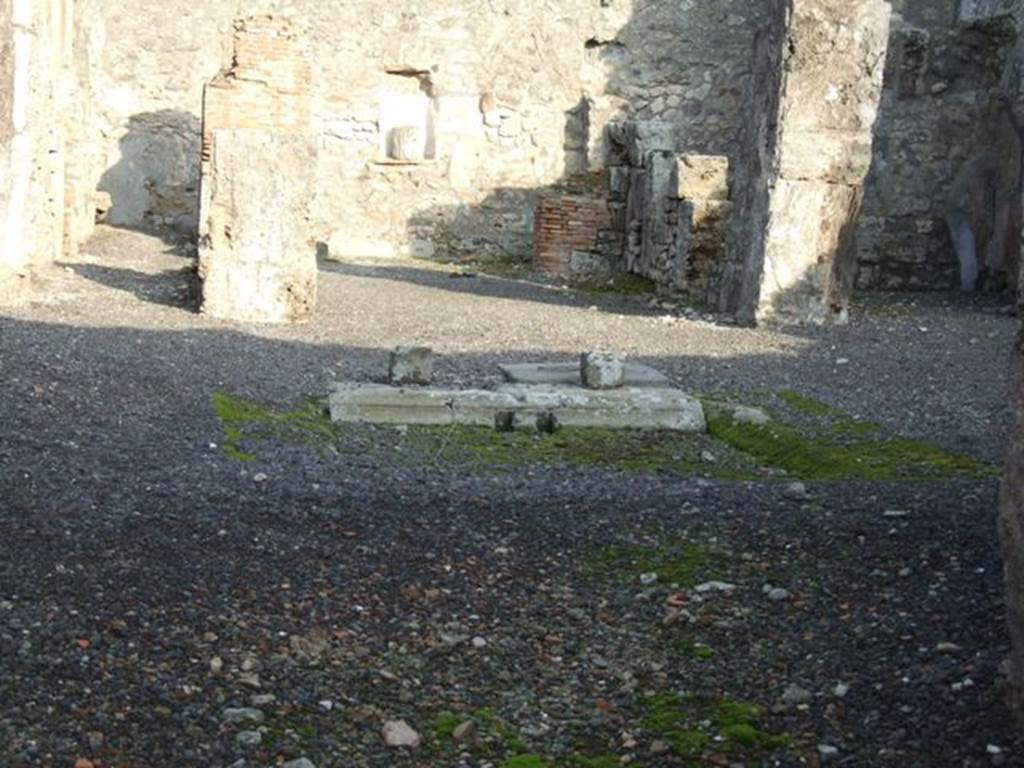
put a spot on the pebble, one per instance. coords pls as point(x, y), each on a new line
point(660, 747)
point(479, 642)
point(948, 648)
point(465, 731)
point(648, 579)
point(242, 715)
point(216, 665)
point(262, 699)
point(715, 586)
point(794, 696)
point(398, 733)
point(828, 752)
point(302, 762)
point(249, 739)
point(841, 690)
point(777, 594)
point(796, 492)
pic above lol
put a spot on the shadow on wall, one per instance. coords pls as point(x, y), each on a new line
point(155, 182)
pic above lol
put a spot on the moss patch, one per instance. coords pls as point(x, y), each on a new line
point(246, 423)
point(693, 726)
point(827, 444)
point(682, 562)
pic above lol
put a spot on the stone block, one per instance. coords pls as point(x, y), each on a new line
point(411, 365)
point(602, 370)
point(518, 404)
point(257, 261)
point(568, 374)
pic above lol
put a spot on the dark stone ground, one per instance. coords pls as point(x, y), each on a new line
point(148, 582)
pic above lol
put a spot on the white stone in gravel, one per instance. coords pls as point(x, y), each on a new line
point(746, 414)
point(715, 586)
point(239, 715)
point(326, 705)
point(778, 594)
point(948, 648)
point(828, 752)
point(479, 642)
point(794, 696)
point(796, 492)
point(398, 733)
point(302, 762)
point(840, 690)
point(262, 699)
point(648, 579)
point(249, 739)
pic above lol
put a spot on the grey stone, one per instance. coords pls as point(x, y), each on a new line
point(249, 739)
point(237, 716)
point(411, 365)
point(602, 370)
point(568, 374)
point(794, 696)
point(398, 733)
point(745, 414)
point(302, 762)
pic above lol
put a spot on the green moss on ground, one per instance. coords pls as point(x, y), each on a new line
point(245, 422)
point(691, 726)
point(682, 562)
point(624, 450)
point(838, 447)
point(807, 440)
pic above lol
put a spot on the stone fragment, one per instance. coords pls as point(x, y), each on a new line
point(237, 716)
point(794, 696)
point(745, 414)
point(302, 762)
point(464, 732)
point(411, 365)
point(249, 739)
point(602, 370)
point(568, 374)
point(398, 733)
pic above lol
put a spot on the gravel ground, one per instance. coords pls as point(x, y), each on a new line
point(150, 586)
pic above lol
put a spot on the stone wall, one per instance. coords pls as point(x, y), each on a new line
point(937, 125)
point(41, 110)
point(510, 98)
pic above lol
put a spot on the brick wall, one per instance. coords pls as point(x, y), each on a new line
point(571, 222)
point(267, 87)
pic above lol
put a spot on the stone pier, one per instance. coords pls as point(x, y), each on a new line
point(805, 150)
point(257, 260)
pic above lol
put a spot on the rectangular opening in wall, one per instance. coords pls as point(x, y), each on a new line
point(407, 117)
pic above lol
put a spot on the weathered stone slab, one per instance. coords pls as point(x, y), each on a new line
point(257, 261)
point(568, 374)
point(627, 408)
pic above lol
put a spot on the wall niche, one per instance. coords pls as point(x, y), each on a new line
point(407, 117)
